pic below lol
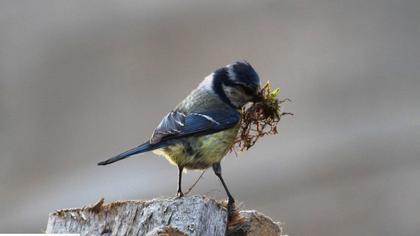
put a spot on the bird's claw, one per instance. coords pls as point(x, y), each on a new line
point(179, 194)
point(230, 208)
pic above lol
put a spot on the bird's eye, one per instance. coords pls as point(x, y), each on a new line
point(246, 89)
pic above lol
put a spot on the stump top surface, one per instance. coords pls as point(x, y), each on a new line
point(192, 215)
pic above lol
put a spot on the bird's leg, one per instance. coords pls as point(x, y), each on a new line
point(179, 191)
point(217, 168)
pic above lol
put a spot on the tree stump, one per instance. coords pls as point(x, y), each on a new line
point(192, 215)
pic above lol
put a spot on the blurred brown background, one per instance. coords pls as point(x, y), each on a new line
point(81, 81)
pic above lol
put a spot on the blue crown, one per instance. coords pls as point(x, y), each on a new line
point(242, 72)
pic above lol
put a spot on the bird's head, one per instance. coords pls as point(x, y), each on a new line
point(238, 82)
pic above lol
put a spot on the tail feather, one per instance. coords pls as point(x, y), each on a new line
point(139, 149)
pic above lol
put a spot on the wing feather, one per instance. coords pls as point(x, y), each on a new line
point(177, 124)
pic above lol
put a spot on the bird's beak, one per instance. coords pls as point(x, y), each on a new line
point(258, 98)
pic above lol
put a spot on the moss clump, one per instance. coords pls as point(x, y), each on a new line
point(260, 118)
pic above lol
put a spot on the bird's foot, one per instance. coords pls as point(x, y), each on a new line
point(233, 216)
point(179, 194)
point(230, 209)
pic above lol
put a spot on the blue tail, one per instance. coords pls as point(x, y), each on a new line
point(139, 149)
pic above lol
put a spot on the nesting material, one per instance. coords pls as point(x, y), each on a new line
point(260, 118)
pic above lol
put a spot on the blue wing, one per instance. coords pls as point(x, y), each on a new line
point(177, 124)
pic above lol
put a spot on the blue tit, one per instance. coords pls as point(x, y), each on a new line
point(200, 130)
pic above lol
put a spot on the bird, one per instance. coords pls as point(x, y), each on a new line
point(203, 127)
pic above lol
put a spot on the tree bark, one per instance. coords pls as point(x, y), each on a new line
point(192, 215)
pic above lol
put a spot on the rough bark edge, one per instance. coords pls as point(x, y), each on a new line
point(248, 223)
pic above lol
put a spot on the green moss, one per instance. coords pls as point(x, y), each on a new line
point(260, 118)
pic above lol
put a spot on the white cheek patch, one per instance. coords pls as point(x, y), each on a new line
point(236, 97)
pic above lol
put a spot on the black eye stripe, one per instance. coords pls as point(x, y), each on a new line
point(246, 89)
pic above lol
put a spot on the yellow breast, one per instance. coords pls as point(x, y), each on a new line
point(200, 152)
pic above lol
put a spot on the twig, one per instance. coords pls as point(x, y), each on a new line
point(195, 183)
